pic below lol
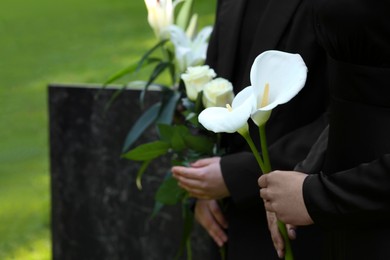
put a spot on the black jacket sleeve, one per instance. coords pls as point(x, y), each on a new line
point(352, 197)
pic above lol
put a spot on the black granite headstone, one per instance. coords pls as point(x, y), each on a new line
point(97, 210)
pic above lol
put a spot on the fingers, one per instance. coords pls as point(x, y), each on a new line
point(205, 162)
point(262, 181)
point(276, 236)
point(199, 194)
point(195, 187)
point(291, 231)
point(189, 184)
point(268, 206)
point(187, 172)
point(264, 194)
point(217, 213)
point(204, 216)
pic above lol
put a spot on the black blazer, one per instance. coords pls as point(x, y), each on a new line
point(293, 127)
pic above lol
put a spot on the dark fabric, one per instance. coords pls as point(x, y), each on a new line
point(293, 127)
point(314, 161)
point(350, 197)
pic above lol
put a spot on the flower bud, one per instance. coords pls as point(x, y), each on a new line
point(160, 15)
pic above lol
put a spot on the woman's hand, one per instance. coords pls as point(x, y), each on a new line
point(210, 216)
point(276, 236)
point(203, 180)
point(282, 194)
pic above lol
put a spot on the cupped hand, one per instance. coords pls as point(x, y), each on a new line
point(203, 180)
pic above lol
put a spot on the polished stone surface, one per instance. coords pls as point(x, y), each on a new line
point(97, 210)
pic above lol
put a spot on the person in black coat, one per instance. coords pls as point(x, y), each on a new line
point(244, 29)
point(343, 185)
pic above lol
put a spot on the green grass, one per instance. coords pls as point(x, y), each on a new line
point(41, 42)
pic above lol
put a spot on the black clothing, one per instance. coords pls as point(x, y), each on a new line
point(350, 197)
point(293, 127)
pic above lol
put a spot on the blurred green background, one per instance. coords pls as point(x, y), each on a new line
point(43, 42)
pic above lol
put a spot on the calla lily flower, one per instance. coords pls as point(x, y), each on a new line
point(230, 119)
point(276, 77)
point(160, 14)
point(189, 52)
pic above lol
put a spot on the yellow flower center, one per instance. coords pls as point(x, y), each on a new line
point(229, 108)
point(265, 98)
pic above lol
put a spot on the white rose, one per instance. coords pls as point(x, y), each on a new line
point(195, 79)
point(218, 93)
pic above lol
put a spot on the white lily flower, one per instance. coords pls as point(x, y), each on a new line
point(230, 119)
point(189, 52)
point(160, 14)
point(276, 77)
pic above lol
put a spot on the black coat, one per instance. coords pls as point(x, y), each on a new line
point(350, 196)
point(284, 25)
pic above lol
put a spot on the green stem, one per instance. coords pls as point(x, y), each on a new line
point(267, 164)
point(222, 252)
point(288, 250)
point(264, 149)
point(166, 57)
point(255, 152)
point(189, 249)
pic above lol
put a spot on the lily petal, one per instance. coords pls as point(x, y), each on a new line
point(189, 52)
point(245, 97)
point(222, 120)
point(284, 72)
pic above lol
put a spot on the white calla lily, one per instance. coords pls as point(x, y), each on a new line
point(276, 77)
point(230, 119)
point(188, 51)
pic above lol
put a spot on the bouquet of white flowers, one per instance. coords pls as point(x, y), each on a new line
point(180, 51)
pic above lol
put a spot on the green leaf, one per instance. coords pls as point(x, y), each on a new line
point(169, 106)
point(185, 13)
point(166, 132)
point(172, 67)
point(147, 118)
point(177, 142)
point(169, 192)
point(130, 69)
point(140, 173)
point(150, 51)
point(199, 144)
point(192, 118)
point(160, 67)
point(148, 151)
point(156, 209)
point(173, 135)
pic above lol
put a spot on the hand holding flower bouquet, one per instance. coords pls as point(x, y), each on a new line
point(276, 77)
